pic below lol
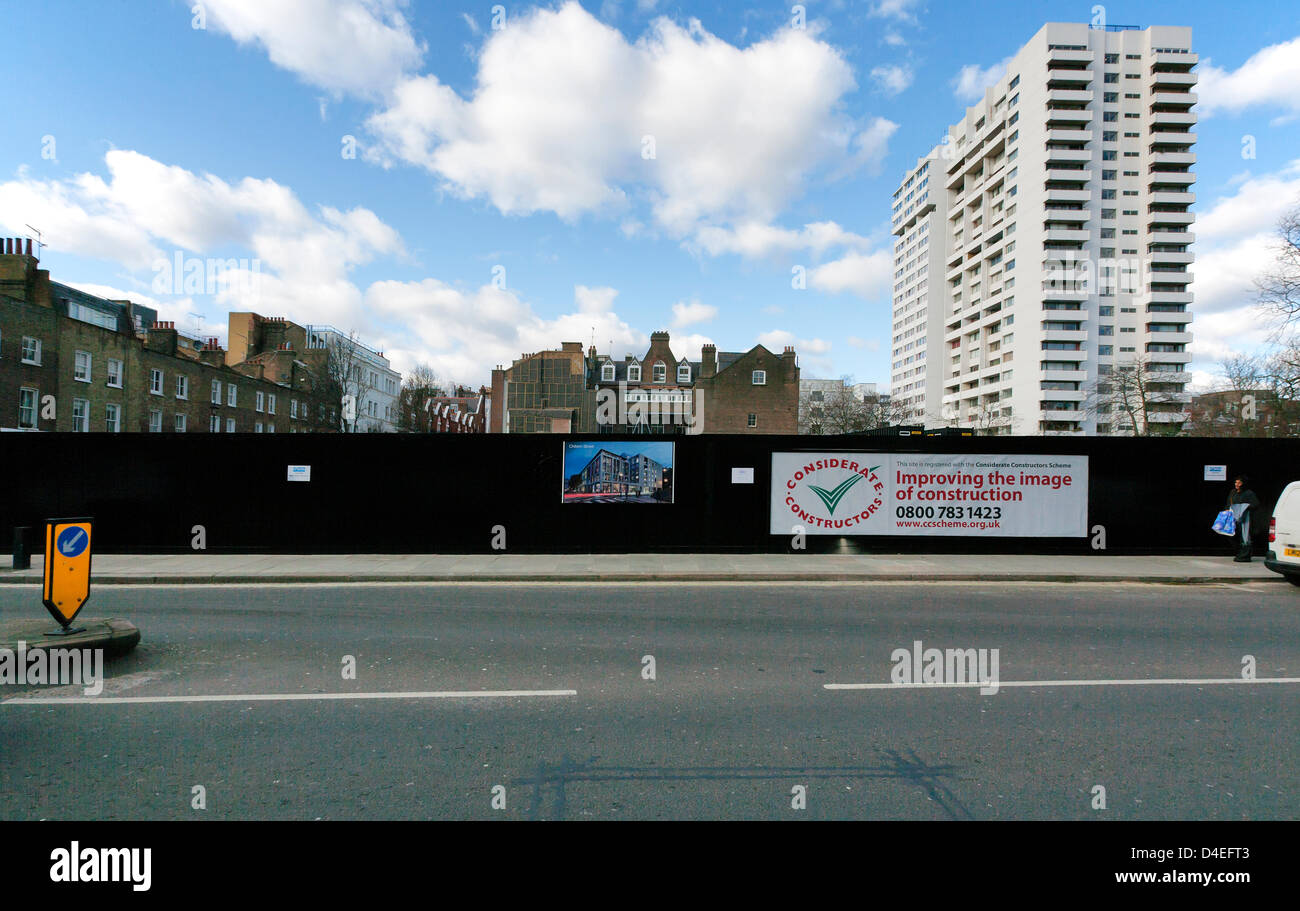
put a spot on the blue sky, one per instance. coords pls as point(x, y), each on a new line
point(503, 197)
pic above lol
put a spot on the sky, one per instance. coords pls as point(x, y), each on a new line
point(463, 183)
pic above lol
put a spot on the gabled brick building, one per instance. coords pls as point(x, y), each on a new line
point(70, 361)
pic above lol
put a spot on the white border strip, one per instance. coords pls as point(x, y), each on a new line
point(284, 697)
point(1002, 684)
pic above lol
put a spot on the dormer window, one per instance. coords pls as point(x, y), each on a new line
point(607, 373)
point(683, 373)
point(634, 373)
point(660, 372)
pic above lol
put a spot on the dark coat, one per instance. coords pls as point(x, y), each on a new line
point(1247, 496)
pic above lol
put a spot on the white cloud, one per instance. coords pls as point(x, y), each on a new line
point(563, 102)
point(892, 79)
point(895, 9)
point(864, 343)
point(687, 313)
point(361, 47)
point(778, 339)
point(463, 333)
point(1237, 244)
point(1269, 77)
point(868, 275)
point(893, 39)
point(972, 80)
point(146, 211)
point(757, 240)
point(472, 23)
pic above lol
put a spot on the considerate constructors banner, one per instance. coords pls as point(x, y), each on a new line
point(878, 493)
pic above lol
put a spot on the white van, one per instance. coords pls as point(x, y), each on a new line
point(1284, 535)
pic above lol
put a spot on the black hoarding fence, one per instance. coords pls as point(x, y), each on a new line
point(391, 493)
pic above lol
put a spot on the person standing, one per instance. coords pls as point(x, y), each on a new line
point(1244, 504)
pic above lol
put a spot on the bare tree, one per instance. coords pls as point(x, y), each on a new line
point(1279, 287)
point(347, 373)
point(414, 403)
point(1133, 395)
point(838, 409)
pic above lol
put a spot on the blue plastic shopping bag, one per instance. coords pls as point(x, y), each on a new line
point(1225, 523)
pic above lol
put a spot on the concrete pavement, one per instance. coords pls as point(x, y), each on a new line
point(119, 569)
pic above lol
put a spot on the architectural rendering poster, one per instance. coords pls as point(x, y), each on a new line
point(876, 493)
point(603, 472)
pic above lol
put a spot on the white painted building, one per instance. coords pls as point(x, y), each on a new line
point(374, 383)
point(1047, 239)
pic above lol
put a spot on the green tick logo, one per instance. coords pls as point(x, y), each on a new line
point(832, 497)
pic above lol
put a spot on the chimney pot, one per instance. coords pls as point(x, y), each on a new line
point(29, 246)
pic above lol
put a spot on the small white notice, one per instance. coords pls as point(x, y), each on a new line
point(1216, 472)
point(299, 472)
point(742, 476)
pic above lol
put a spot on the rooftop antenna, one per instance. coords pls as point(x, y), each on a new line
point(39, 244)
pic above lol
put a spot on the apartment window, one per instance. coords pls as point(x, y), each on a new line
point(1107, 233)
point(270, 427)
point(260, 404)
point(257, 428)
point(31, 350)
point(1014, 82)
point(1108, 175)
point(1108, 155)
point(1110, 97)
point(1127, 329)
point(1112, 77)
point(1106, 330)
point(232, 394)
point(1131, 116)
point(1014, 101)
point(1014, 118)
point(1112, 58)
point(1132, 56)
point(634, 374)
point(27, 407)
point(182, 387)
point(155, 383)
point(115, 373)
point(1132, 75)
point(1109, 136)
point(80, 416)
point(1130, 173)
point(759, 378)
point(216, 392)
point(1013, 137)
point(1131, 154)
point(1130, 211)
point(113, 418)
point(230, 425)
point(607, 373)
point(155, 422)
point(1110, 116)
point(1107, 194)
point(1107, 253)
point(180, 423)
point(293, 408)
point(752, 421)
point(1132, 94)
point(81, 367)
point(270, 403)
point(660, 372)
point(1106, 311)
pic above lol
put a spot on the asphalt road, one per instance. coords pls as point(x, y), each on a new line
point(737, 715)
